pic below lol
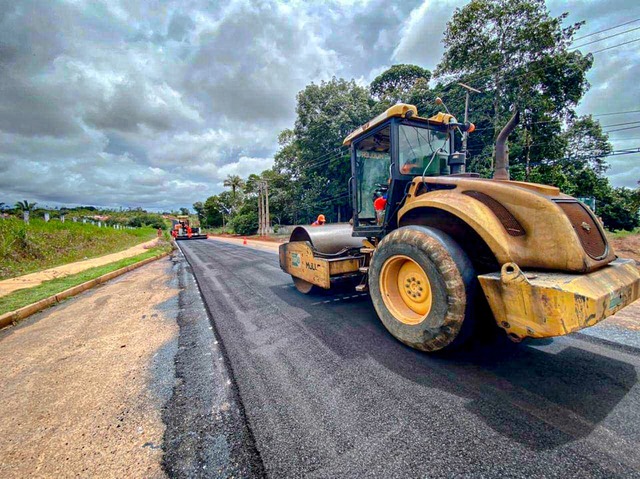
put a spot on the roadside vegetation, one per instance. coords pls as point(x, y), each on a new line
point(25, 297)
point(532, 65)
point(38, 245)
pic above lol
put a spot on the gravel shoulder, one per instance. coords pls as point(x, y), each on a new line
point(125, 380)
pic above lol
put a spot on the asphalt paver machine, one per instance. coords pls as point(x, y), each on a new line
point(182, 229)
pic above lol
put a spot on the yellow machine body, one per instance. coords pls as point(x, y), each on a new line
point(541, 304)
point(298, 259)
point(548, 268)
point(544, 236)
point(549, 285)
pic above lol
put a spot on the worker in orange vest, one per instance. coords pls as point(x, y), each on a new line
point(319, 222)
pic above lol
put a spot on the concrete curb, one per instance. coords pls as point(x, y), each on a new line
point(13, 317)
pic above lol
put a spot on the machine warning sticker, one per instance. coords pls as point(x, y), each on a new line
point(295, 260)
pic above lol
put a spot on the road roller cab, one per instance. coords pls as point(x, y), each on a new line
point(432, 243)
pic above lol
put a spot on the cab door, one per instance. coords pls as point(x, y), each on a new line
point(371, 169)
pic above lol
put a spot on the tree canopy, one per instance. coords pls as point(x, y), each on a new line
point(516, 54)
point(395, 83)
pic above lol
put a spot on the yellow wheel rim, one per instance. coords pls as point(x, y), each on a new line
point(406, 290)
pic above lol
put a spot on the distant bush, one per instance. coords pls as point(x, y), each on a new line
point(147, 219)
point(244, 224)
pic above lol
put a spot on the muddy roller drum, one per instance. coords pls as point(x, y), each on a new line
point(327, 245)
point(327, 239)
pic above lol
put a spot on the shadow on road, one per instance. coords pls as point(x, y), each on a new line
point(541, 395)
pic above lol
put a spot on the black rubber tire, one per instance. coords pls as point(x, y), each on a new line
point(450, 321)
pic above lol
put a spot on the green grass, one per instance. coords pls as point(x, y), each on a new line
point(216, 230)
point(623, 233)
point(39, 245)
point(25, 297)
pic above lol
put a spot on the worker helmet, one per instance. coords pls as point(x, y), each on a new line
point(321, 218)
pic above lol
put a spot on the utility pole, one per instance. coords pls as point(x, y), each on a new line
point(465, 135)
point(267, 218)
point(264, 224)
point(527, 124)
point(259, 208)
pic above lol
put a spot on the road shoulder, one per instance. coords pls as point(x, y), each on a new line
point(84, 383)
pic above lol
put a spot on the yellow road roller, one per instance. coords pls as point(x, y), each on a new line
point(441, 244)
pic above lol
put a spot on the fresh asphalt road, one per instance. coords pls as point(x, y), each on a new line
point(327, 392)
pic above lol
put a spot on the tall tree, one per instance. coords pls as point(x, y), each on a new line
point(213, 212)
point(515, 53)
point(396, 83)
point(25, 205)
point(198, 206)
point(587, 144)
point(312, 155)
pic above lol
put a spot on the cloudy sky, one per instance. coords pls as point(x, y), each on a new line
point(153, 103)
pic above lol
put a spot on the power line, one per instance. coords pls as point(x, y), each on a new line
point(330, 200)
point(615, 46)
point(604, 38)
point(621, 124)
point(332, 152)
point(628, 151)
point(490, 71)
point(617, 113)
point(314, 165)
point(622, 129)
point(607, 29)
point(558, 120)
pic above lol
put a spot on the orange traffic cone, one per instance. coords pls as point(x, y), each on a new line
point(244, 240)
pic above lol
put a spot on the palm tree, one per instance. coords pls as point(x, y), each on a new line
point(25, 205)
point(234, 182)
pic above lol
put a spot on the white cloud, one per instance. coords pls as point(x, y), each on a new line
point(422, 33)
point(133, 103)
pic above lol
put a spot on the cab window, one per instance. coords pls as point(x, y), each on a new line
point(422, 151)
point(373, 162)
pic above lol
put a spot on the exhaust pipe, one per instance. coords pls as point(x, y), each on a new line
point(502, 153)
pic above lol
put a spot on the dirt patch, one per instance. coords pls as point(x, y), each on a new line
point(84, 383)
point(250, 242)
point(627, 246)
point(265, 239)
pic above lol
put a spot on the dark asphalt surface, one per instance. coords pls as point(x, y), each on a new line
point(206, 432)
point(326, 392)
